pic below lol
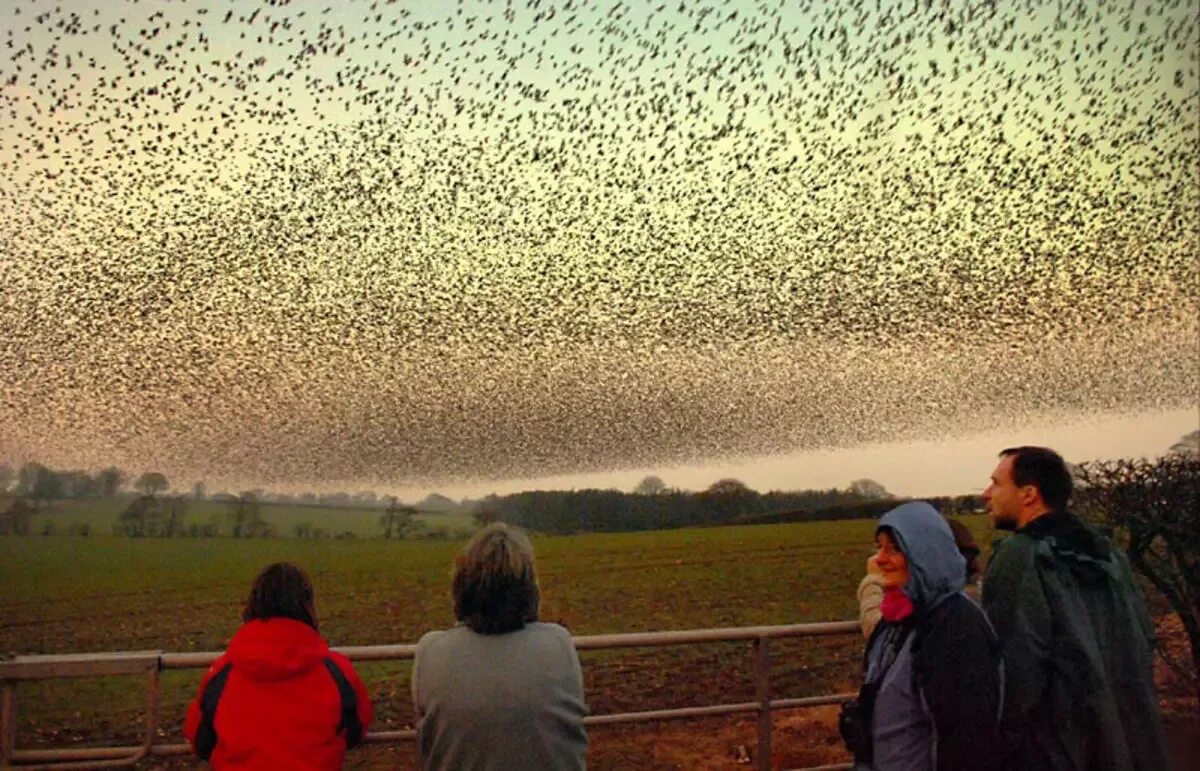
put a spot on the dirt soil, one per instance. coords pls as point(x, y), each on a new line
point(1177, 694)
point(801, 738)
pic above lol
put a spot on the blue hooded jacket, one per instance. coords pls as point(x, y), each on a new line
point(938, 672)
point(936, 568)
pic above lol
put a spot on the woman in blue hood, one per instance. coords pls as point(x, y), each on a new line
point(932, 689)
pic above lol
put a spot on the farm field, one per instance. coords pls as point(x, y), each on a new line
point(103, 514)
point(105, 593)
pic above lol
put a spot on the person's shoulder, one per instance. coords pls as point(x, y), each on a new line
point(222, 661)
point(432, 639)
point(962, 612)
point(957, 622)
point(341, 660)
point(1013, 564)
point(1015, 552)
point(549, 629)
point(551, 632)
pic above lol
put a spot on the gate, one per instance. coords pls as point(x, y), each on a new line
point(149, 663)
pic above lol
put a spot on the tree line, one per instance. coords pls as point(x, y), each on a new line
point(149, 514)
point(654, 506)
point(40, 485)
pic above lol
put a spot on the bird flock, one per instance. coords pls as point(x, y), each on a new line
point(389, 243)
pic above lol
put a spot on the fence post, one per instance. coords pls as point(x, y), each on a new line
point(762, 694)
point(151, 706)
point(8, 721)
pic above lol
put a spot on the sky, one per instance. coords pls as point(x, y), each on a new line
point(935, 467)
point(473, 247)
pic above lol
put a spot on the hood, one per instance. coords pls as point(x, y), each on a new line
point(936, 569)
point(276, 649)
point(1068, 540)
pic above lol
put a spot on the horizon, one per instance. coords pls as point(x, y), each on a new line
point(963, 463)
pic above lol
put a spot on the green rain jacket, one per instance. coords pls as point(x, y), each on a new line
point(1078, 651)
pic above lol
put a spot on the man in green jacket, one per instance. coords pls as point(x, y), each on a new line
point(1077, 641)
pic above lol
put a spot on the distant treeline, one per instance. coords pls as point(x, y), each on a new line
point(41, 484)
point(652, 506)
point(951, 506)
point(726, 502)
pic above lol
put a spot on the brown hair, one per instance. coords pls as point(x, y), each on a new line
point(495, 587)
point(966, 547)
point(281, 590)
point(1044, 469)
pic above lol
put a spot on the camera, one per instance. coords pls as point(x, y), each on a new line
point(855, 728)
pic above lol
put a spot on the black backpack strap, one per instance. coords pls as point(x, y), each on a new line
point(350, 726)
point(206, 734)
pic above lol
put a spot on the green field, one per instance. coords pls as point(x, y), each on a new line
point(103, 514)
point(106, 593)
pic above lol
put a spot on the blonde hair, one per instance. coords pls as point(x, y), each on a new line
point(495, 587)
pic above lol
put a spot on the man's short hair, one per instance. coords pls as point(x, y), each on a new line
point(281, 590)
point(1044, 469)
point(495, 585)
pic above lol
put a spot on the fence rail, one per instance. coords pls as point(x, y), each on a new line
point(150, 663)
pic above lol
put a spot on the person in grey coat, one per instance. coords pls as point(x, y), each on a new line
point(500, 691)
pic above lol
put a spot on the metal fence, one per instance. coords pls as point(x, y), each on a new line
point(148, 664)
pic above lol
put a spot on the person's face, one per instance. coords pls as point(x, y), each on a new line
point(891, 561)
point(1003, 498)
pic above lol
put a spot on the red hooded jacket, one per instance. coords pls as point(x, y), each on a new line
point(280, 707)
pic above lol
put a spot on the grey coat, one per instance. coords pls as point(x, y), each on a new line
point(506, 702)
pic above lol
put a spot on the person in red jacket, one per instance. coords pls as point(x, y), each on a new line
point(278, 698)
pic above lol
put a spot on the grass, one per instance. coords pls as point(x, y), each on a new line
point(100, 593)
point(103, 514)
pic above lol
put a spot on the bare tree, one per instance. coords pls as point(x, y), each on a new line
point(651, 485)
point(729, 487)
point(1153, 509)
point(48, 487)
point(38, 483)
point(110, 481)
point(246, 517)
point(139, 519)
point(869, 489)
point(177, 508)
point(151, 482)
point(18, 518)
point(398, 519)
point(27, 477)
point(725, 499)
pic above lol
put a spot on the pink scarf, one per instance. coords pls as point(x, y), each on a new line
point(896, 606)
